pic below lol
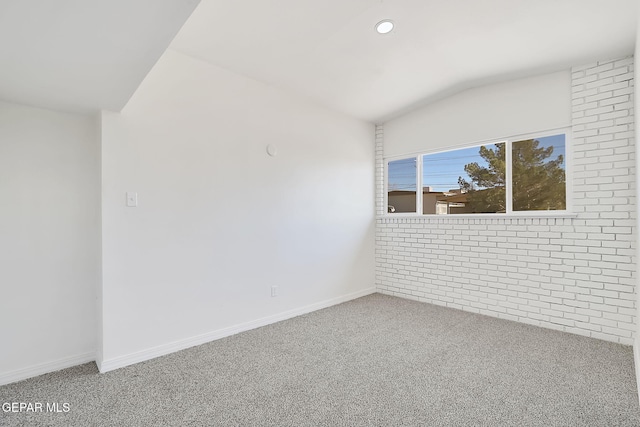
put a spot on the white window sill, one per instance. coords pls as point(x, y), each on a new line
point(540, 214)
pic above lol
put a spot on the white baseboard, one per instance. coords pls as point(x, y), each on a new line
point(45, 368)
point(161, 350)
point(636, 364)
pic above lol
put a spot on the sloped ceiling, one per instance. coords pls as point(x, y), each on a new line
point(328, 50)
point(86, 55)
point(83, 55)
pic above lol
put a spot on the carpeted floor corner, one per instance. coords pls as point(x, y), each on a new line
point(374, 361)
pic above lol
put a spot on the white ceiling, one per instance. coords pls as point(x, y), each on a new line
point(86, 55)
point(83, 55)
point(327, 50)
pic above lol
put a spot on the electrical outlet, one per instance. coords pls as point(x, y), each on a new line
point(274, 291)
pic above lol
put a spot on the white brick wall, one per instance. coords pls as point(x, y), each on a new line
point(380, 208)
point(572, 274)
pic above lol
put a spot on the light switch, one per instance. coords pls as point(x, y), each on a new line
point(132, 199)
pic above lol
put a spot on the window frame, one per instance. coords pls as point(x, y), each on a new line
point(508, 141)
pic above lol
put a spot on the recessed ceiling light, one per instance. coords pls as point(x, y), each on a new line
point(385, 26)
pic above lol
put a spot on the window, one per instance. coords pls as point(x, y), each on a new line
point(511, 176)
point(538, 174)
point(401, 186)
point(470, 180)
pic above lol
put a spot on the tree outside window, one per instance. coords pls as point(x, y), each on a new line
point(538, 176)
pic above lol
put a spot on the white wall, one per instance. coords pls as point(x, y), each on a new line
point(49, 240)
point(219, 221)
point(488, 112)
point(576, 274)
